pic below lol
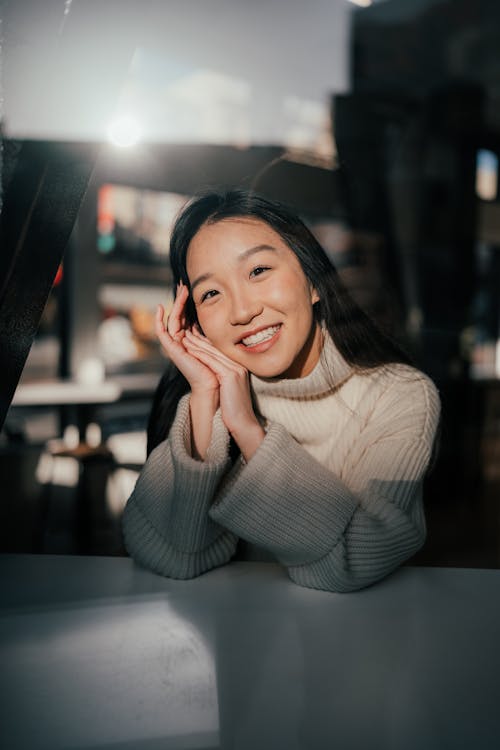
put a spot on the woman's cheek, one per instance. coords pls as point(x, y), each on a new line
point(283, 292)
point(210, 325)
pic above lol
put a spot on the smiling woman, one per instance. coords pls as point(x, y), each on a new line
point(288, 426)
point(253, 298)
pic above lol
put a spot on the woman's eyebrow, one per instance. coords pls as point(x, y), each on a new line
point(242, 256)
point(251, 250)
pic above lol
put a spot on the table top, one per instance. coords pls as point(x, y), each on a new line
point(61, 392)
point(98, 653)
point(57, 392)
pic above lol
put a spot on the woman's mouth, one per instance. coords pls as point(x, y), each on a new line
point(262, 340)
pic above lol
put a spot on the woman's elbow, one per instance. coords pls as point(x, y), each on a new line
point(336, 574)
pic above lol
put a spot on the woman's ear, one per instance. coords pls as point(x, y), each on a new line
point(314, 296)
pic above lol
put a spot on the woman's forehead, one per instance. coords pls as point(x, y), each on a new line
point(235, 225)
point(232, 236)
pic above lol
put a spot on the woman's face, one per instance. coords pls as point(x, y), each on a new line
point(252, 298)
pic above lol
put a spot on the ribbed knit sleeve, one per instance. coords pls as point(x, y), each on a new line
point(340, 533)
point(166, 525)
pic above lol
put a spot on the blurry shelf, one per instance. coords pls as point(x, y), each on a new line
point(131, 273)
point(122, 297)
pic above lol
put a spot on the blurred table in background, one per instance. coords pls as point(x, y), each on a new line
point(84, 396)
point(91, 442)
point(98, 653)
point(62, 392)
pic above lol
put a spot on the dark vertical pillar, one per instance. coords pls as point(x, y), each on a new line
point(43, 186)
point(84, 280)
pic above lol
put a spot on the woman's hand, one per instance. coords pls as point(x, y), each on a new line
point(201, 378)
point(234, 392)
point(204, 399)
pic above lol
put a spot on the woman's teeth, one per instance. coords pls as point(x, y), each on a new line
point(258, 338)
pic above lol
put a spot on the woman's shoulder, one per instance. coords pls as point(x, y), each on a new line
point(408, 377)
point(405, 392)
point(405, 379)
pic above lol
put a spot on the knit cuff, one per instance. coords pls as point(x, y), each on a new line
point(286, 501)
point(153, 548)
point(195, 482)
point(180, 439)
point(170, 503)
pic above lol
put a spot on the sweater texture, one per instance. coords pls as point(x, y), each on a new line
point(334, 491)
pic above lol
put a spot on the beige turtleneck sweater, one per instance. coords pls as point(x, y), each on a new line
point(334, 492)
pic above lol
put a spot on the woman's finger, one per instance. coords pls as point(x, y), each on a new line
point(218, 362)
point(171, 338)
point(166, 340)
point(173, 317)
point(196, 331)
point(176, 319)
point(204, 344)
point(159, 324)
point(200, 340)
point(209, 360)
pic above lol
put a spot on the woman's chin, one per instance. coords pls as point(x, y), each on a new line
point(269, 369)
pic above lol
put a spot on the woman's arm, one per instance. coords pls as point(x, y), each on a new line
point(234, 394)
point(202, 409)
point(332, 533)
point(202, 381)
point(166, 524)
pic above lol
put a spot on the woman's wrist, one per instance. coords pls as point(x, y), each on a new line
point(249, 439)
point(202, 408)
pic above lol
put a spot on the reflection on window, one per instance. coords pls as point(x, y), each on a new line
point(182, 102)
point(133, 236)
point(134, 226)
point(482, 339)
point(486, 175)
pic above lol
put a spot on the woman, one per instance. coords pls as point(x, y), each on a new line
point(290, 427)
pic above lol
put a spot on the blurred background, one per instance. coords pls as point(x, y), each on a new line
point(378, 122)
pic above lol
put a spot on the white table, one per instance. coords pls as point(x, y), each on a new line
point(59, 392)
point(84, 398)
point(97, 653)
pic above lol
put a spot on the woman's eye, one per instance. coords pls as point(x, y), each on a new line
point(258, 270)
point(208, 295)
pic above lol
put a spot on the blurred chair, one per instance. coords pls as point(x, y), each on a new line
point(128, 450)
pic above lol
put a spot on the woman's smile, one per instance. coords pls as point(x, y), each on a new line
point(252, 298)
point(262, 340)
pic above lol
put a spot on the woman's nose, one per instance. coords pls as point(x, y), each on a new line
point(244, 308)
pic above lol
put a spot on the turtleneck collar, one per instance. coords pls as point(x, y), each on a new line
point(330, 372)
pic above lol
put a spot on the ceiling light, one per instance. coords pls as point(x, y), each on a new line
point(124, 132)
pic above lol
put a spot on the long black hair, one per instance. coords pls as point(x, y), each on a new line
point(358, 339)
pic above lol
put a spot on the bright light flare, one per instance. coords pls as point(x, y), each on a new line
point(124, 132)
